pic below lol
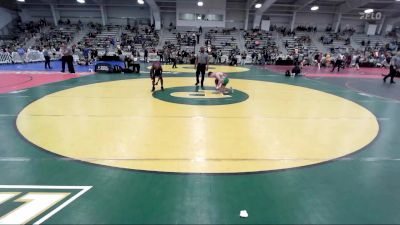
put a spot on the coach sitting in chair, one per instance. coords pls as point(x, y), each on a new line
point(234, 61)
point(132, 64)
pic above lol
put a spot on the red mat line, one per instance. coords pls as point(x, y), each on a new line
point(14, 81)
point(7, 81)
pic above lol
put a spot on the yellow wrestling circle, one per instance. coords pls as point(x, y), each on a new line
point(120, 124)
point(187, 68)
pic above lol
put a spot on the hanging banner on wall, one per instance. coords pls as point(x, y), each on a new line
point(371, 29)
point(265, 25)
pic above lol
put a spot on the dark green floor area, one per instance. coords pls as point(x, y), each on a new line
point(363, 188)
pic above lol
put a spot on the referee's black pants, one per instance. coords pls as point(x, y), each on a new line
point(201, 68)
point(173, 62)
point(63, 62)
point(391, 74)
point(70, 63)
point(47, 62)
point(337, 64)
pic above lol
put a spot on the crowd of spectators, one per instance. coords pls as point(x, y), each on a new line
point(175, 55)
point(256, 39)
point(224, 40)
point(306, 28)
point(259, 45)
point(188, 38)
point(145, 36)
point(342, 36)
point(283, 30)
point(21, 33)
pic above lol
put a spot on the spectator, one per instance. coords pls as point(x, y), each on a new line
point(174, 59)
point(46, 55)
point(146, 55)
point(21, 53)
point(243, 59)
point(296, 71)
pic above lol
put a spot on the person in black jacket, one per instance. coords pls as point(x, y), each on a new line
point(146, 55)
point(67, 58)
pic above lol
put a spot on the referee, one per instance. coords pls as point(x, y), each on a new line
point(394, 68)
point(201, 66)
point(67, 58)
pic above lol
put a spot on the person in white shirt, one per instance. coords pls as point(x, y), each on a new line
point(338, 63)
point(174, 56)
point(46, 55)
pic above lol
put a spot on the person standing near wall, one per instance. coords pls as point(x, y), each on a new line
point(161, 55)
point(338, 63)
point(357, 61)
point(21, 53)
point(70, 60)
point(86, 53)
point(198, 37)
point(63, 57)
point(67, 58)
point(174, 57)
point(146, 55)
point(46, 55)
point(317, 60)
point(166, 56)
point(219, 57)
point(394, 68)
point(243, 59)
point(136, 63)
point(201, 66)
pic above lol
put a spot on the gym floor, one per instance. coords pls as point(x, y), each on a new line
point(102, 149)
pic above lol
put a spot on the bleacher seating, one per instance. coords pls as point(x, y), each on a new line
point(302, 42)
point(185, 42)
point(376, 42)
point(259, 40)
point(56, 36)
point(224, 40)
point(21, 34)
point(101, 38)
point(231, 42)
point(139, 37)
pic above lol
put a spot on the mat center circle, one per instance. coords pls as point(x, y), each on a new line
point(121, 124)
point(191, 95)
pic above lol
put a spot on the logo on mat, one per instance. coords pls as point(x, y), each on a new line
point(190, 95)
point(21, 204)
